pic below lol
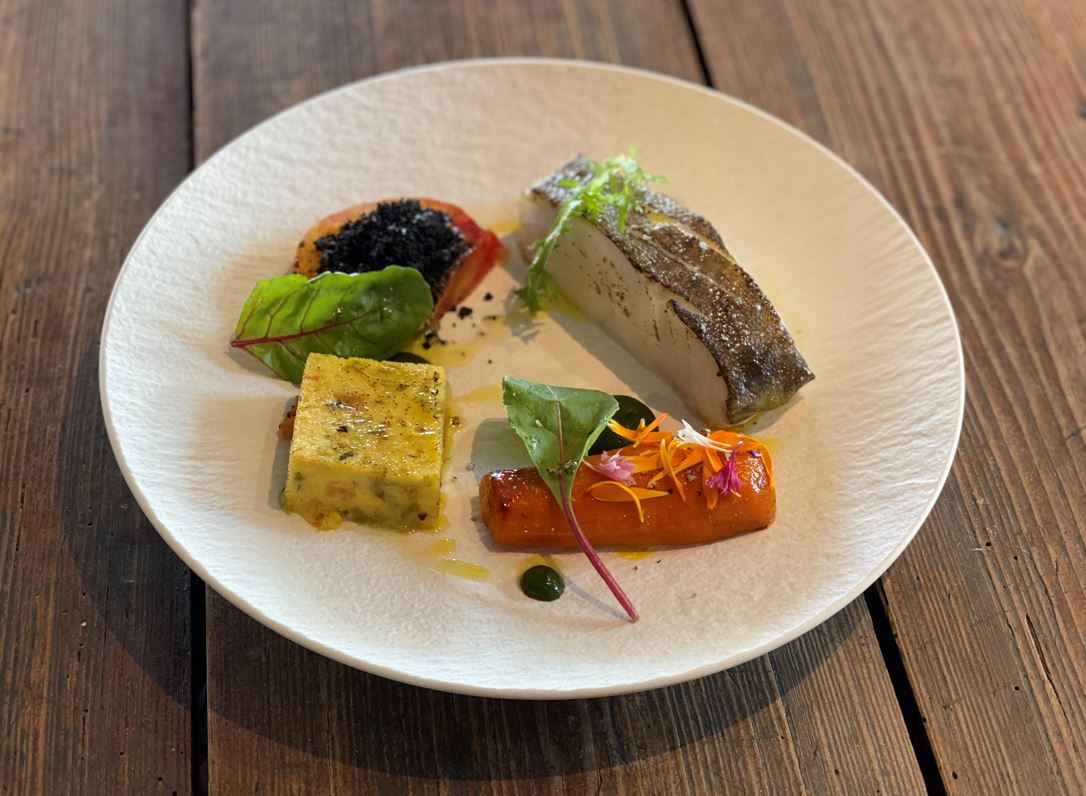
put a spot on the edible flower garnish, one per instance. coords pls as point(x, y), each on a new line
point(726, 480)
point(666, 453)
point(614, 183)
point(634, 493)
point(671, 457)
point(688, 434)
point(642, 435)
point(612, 465)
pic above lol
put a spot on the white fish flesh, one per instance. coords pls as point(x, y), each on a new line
point(667, 288)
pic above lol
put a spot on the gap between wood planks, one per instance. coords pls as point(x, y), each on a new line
point(874, 596)
point(903, 690)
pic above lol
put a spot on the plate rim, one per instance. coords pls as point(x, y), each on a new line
point(436, 683)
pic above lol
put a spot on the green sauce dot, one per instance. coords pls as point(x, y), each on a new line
point(542, 583)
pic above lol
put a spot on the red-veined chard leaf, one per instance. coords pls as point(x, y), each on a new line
point(371, 315)
point(558, 425)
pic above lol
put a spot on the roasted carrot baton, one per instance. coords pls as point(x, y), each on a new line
point(518, 509)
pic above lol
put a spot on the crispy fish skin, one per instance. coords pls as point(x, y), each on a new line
point(668, 282)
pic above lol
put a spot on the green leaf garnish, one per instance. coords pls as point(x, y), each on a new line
point(614, 183)
point(372, 315)
point(558, 425)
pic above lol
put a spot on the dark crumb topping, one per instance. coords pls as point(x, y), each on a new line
point(395, 233)
point(431, 338)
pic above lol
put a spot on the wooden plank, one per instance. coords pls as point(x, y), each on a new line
point(815, 716)
point(818, 715)
point(251, 63)
point(94, 642)
point(971, 117)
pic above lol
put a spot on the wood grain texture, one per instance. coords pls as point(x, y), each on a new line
point(253, 60)
point(94, 644)
point(817, 716)
point(971, 118)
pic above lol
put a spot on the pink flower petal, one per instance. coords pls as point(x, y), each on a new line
point(725, 480)
point(614, 466)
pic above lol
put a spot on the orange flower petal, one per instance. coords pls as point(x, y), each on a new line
point(727, 437)
point(644, 432)
point(621, 430)
point(636, 494)
point(644, 464)
point(695, 457)
point(665, 458)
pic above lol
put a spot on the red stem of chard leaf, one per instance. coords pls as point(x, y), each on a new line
point(283, 338)
point(579, 535)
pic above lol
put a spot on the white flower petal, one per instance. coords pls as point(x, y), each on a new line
point(688, 434)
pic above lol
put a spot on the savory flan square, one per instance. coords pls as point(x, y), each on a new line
point(368, 443)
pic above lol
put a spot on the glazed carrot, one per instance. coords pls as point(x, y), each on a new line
point(484, 252)
point(518, 509)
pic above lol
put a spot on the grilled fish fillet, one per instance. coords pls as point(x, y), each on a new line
point(668, 289)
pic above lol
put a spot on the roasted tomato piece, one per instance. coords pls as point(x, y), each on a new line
point(444, 243)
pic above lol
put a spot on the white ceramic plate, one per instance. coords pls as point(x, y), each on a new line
point(860, 455)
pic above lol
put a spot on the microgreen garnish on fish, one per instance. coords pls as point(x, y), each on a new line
point(558, 425)
point(613, 184)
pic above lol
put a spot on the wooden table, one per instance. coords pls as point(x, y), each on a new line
point(962, 670)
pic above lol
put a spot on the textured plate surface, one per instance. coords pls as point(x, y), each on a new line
point(860, 456)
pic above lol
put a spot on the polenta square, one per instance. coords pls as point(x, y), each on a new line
point(368, 443)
